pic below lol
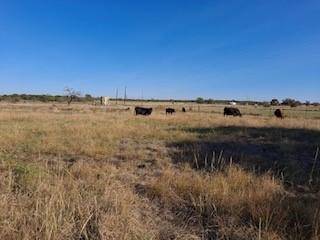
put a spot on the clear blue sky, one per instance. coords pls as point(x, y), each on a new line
point(241, 49)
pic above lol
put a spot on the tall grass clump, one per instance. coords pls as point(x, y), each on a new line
point(85, 201)
point(235, 204)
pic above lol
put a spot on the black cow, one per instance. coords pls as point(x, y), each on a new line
point(170, 110)
point(183, 109)
point(232, 111)
point(143, 111)
point(278, 113)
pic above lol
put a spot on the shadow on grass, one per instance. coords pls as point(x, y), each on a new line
point(286, 153)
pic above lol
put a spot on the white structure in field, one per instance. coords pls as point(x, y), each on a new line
point(233, 103)
point(104, 101)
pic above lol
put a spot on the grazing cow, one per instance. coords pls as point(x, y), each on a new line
point(278, 113)
point(143, 111)
point(183, 109)
point(170, 110)
point(232, 111)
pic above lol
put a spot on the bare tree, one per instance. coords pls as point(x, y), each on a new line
point(71, 94)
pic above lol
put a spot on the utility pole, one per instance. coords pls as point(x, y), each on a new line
point(116, 96)
point(125, 95)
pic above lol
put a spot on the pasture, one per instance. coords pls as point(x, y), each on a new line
point(91, 172)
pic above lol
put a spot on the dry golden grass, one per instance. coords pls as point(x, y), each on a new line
point(236, 204)
point(80, 172)
point(86, 201)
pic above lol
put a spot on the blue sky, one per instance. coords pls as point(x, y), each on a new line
point(237, 49)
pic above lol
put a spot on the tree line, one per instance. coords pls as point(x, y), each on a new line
point(46, 98)
point(75, 96)
point(274, 102)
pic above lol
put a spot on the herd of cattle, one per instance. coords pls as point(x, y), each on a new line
point(228, 111)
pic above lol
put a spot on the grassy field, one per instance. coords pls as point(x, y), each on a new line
point(90, 172)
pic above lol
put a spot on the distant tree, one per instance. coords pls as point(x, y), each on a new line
point(266, 104)
point(274, 102)
point(210, 101)
point(307, 103)
point(14, 98)
point(88, 98)
point(199, 100)
point(291, 102)
point(60, 99)
point(71, 94)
